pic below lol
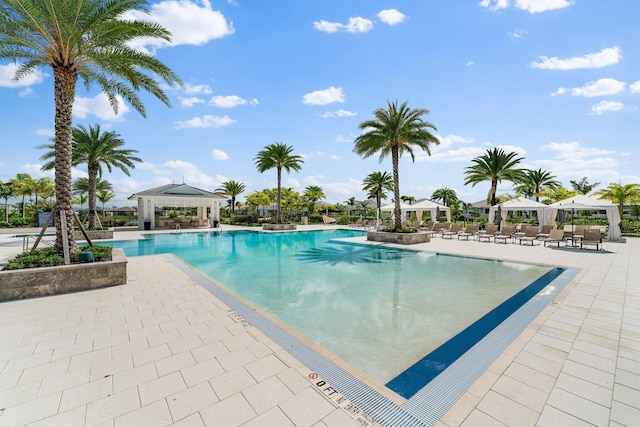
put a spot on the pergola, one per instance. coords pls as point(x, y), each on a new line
point(179, 196)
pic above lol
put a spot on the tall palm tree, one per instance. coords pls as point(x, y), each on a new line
point(447, 195)
point(377, 184)
point(496, 166)
point(23, 185)
point(96, 150)
point(44, 187)
point(620, 194)
point(6, 192)
point(583, 186)
point(534, 182)
point(231, 189)
point(278, 156)
point(395, 131)
point(90, 40)
point(351, 203)
point(312, 194)
point(105, 196)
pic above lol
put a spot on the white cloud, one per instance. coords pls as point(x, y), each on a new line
point(517, 33)
point(469, 64)
point(189, 22)
point(8, 72)
point(230, 101)
point(603, 106)
point(573, 150)
point(190, 89)
point(324, 97)
point(531, 6)
point(219, 155)
point(338, 113)
point(341, 139)
point(206, 121)
point(99, 106)
point(391, 16)
point(600, 87)
point(49, 133)
point(355, 25)
point(340, 191)
point(570, 160)
point(635, 87)
point(446, 152)
point(600, 59)
point(25, 92)
point(179, 170)
point(191, 101)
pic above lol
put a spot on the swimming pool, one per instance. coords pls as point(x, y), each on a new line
point(382, 310)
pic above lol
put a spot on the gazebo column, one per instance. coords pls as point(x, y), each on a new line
point(146, 212)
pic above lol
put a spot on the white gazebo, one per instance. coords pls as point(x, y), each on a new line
point(432, 207)
point(518, 204)
point(177, 195)
point(583, 202)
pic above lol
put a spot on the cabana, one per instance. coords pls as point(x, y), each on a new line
point(432, 207)
point(180, 196)
point(583, 202)
point(518, 204)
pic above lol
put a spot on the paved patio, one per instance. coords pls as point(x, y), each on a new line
point(162, 350)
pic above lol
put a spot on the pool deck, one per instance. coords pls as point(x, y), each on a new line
point(162, 350)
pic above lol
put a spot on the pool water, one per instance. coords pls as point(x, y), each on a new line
point(379, 309)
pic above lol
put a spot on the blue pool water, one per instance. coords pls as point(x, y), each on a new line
point(386, 312)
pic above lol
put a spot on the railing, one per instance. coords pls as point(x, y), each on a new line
point(26, 242)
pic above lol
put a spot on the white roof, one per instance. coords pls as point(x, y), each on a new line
point(521, 203)
point(584, 200)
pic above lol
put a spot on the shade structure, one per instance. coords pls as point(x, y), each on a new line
point(434, 208)
point(517, 204)
point(583, 202)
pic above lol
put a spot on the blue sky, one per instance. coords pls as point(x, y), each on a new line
point(558, 81)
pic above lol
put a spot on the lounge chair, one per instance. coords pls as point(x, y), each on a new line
point(453, 231)
point(555, 236)
point(545, 231)
point(427, 226)
point(505, 233)
point(489, 232)
point(436, 229)
point(591, 237)
point(470, 231)
point(328, 220)
point(530, 234)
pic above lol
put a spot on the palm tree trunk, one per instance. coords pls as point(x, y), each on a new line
point(64, 91)
point(397, 212)
point(278, 212)
point(494, 188)
point(93, 178)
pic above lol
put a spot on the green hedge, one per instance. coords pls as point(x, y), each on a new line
point(48, 257)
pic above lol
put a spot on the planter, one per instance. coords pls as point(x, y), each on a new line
point(94, 234)
point(399, 238)
point(278, 227)
point(37, 282)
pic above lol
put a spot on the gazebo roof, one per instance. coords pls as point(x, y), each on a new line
point(177, 190)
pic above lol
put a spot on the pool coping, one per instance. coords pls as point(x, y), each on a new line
point(428, 405)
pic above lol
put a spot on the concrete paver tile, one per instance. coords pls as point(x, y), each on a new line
point(72, 418)
point(152, 354)
point(275, 417)
point(155, 414)
point(588, 373)
point(17, 395)
point(529, 376)
point(460, 410)
point(201, 372)
point(194, 420)
point(232, 382)
point(69, 379)
point(134, 377)
point(585, 389)
point(33, 410)
point(479, 418)
point(266, 367)
point(592, 360)
point(185, 344)
point(624, 414)
point(85, 393)
point(235, 359)
point(232, 411)
point(520, 392)
point(160, 388)
point(110, 407)
point(293, 380)
point(39, 372)
point(306, 408)
point(579, 407)
point(507, 411)
point(191, 400)
point(553, 417)
point(174, 363)
point(110, 367)
point(627, 395)
point(267, 394)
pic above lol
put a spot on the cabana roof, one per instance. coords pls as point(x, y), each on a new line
point(183, 191)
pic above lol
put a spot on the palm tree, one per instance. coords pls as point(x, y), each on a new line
point(534, 183)
point(81, 186)
point(80, 199)
point(95, 149)
point(447, 195)
point(44, 187)
point(583, 186)
point(377, 184)
point(278, 156)
point(556, 194)
point(6, 191)
point(395, 131)
point(23, 185)
point(351, 203)
point(495, 165)
point(620, 194)
point(409, 199)
point(105, 196)
point(231, 189)
point(90, 40)
point(312, 194)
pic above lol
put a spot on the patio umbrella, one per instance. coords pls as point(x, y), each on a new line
point(573, 207)
point(437, 215)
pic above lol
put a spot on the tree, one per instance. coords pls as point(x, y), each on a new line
point(44, 187)
point(80, 199)
point(494, 165)
point(534, 182)
point(447, 195)
point(408, 199)
point(312, 194)
point(583, 186)
point(105, 196)
point(395, 131)
point(377, 184)
point(351, 203)
point(231, 189)
point(96, 150)
point(90, 40)
point(23, 185)
point(556, 194)
point(6, 191)
point(81, 186)
point(257, 199)
point(278, 156)
point(620, 194)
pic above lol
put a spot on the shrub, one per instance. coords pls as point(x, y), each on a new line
point(242, 219)
point(315, 218)
point(344, 220)
point(46, 257)
point(100, 253)
point(5, 224)
point(628, 226)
